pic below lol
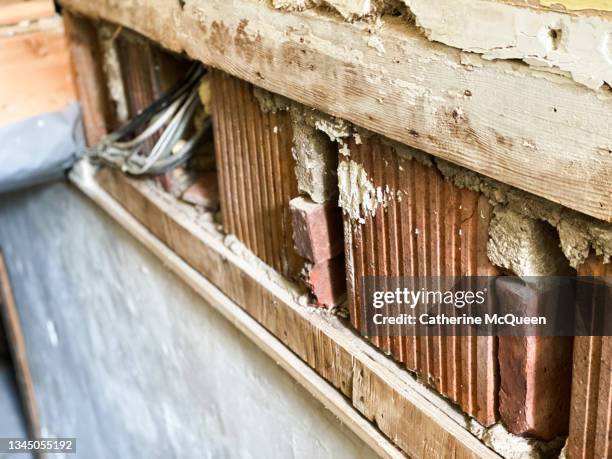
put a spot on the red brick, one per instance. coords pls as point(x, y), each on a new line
point(256, 172)
point(590, 433)
point(428, 227)
point(317, 229)
point(204, 191)
point(535, 371)
point(327, 281)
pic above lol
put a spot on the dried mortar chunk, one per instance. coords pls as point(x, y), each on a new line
point(315, 153)
point(526, 246)
point(578, 233)
point(512, 446)
point(112, 70)
point(358, 195)
point(316, 161)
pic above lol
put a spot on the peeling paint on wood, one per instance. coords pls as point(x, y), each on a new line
point(420, 93)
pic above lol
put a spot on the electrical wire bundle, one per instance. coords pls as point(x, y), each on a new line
point(172, 115)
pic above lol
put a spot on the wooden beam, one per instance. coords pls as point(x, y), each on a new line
point(418, 421)
point(534, 130)
point(88, 74)
point(35, 76)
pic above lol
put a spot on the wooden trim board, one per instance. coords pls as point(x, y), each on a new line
point(311, 381)
point(421, 423)
point(9, 316)
point(534, 130)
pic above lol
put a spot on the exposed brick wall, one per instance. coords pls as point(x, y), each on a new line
point(318, 237)
point(256, 172)
point(590, 435)
point(535, 372)
point(427, 228)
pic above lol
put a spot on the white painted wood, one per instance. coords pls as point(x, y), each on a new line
point(534, 130)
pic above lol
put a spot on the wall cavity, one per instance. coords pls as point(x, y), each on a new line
point(314, 148)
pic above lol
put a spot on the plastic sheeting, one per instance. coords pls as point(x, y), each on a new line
point(40, 149)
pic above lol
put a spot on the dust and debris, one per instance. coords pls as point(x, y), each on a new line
point(112, 70)
point(578, 233)
point(376, 42)
point(409, 153)
point(512, 446)
point(359, 197)
point(205, 95)
point(335, 128)
point(296, 293)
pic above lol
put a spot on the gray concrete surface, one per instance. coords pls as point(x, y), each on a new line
point(130, 361)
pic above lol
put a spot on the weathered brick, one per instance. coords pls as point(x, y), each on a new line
point(256, 172)
point(535, 371)
point(203, 192)
point(590, 432)
point(402, 218)
point(317, 229)
point(327, 281)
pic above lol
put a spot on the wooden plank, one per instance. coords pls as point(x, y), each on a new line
point(35, 76)
point(12, 326)
point(13, 13)
point(534, 130)
point(321, 341)
point(308, 378)
point(88, 76)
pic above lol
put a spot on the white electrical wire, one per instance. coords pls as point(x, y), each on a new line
point(174, 120)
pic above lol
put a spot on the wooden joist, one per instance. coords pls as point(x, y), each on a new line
point(534, 130)
point(418, 422)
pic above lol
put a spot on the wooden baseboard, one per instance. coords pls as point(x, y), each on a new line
point(419, 422)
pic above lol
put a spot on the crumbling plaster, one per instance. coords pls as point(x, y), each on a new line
point(579, 46)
